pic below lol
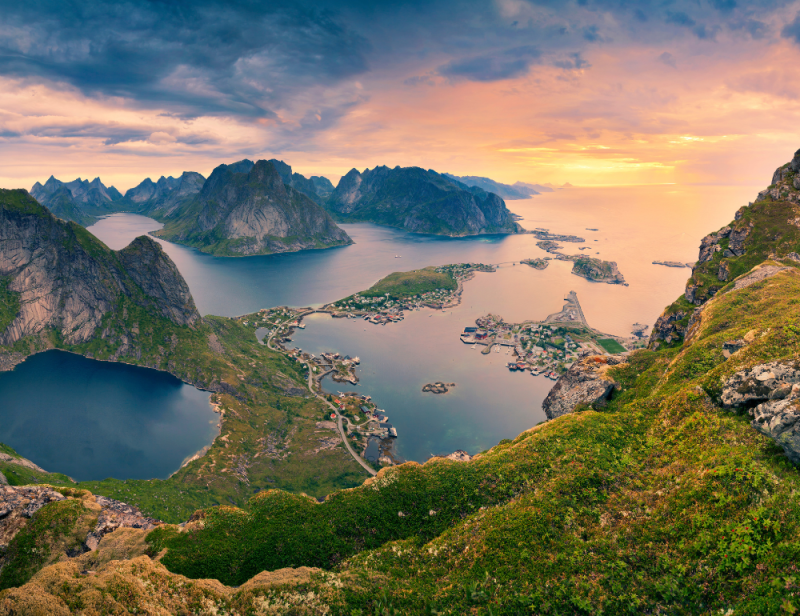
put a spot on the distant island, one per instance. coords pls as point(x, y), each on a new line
point(673, 264)
point(421, 201)
point(247, 209)
point(539, 264)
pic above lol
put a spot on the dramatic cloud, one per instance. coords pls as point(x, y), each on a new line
point(543, 90)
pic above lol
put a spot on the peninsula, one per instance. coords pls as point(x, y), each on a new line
point(547, 347)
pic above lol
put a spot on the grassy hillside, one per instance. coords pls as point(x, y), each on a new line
point(402, 285)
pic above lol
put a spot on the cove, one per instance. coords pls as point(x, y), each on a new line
point(92, 420)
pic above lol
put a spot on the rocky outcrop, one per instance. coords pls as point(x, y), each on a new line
point(668, 328)
point(586, 382)
point(115, 514)
point(241, 213)
point(19, 503)
point(772, 391)
point(420, 201)
point(67, 281)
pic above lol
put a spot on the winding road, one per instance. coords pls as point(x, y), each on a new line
point(339, 424)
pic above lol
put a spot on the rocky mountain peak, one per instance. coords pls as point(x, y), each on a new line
point(67, 281)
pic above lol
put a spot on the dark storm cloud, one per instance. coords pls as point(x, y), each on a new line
point(196, 58)
point(251, 58)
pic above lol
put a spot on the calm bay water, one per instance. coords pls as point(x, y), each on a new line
point(92, 419)
point(635, 226)
point(125, 423)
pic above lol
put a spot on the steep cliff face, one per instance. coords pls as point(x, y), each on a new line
point(767, 228)
point(67, 282)
point(420, 201)
point(160, 199)
point(246, 213)
point(80, 201)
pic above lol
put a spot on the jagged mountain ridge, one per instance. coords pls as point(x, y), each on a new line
point(161, 198)
point(247, 209)
point(67, 282)
point(80, 200)
point(421, 201)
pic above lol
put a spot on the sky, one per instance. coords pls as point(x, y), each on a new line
point(591, 92)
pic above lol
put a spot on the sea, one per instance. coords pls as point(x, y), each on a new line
point(631, 225)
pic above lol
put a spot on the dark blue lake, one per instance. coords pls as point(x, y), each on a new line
point(92, 420)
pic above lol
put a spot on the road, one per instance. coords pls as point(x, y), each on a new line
point(346, 442)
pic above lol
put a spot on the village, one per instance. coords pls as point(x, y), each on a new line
point(367, 427)
point(381, 307)
point(546, 348)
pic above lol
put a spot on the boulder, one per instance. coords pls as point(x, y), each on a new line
point(586, 382)
point(769, 381)
point(774, 388)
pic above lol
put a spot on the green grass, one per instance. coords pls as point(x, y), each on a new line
point(402, 285)
point(610, 345)
point(48, 532)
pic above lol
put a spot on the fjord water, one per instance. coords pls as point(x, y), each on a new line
point(635, 226)
point(92, 420)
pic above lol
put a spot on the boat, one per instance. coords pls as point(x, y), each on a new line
point(302, 326)
point(398, 257)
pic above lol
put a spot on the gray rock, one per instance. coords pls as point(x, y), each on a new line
point(759, 382)
point(795, 164)
point(731, 346)
point(724, 271)
point(585, 382)
point(776, 388)
point(757, 275)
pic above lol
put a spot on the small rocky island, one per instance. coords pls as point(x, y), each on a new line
point(590, 268)
point(673, 264)
point(539, 264)
point(438, 387)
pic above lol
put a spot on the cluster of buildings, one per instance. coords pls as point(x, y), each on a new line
point(543, 349)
